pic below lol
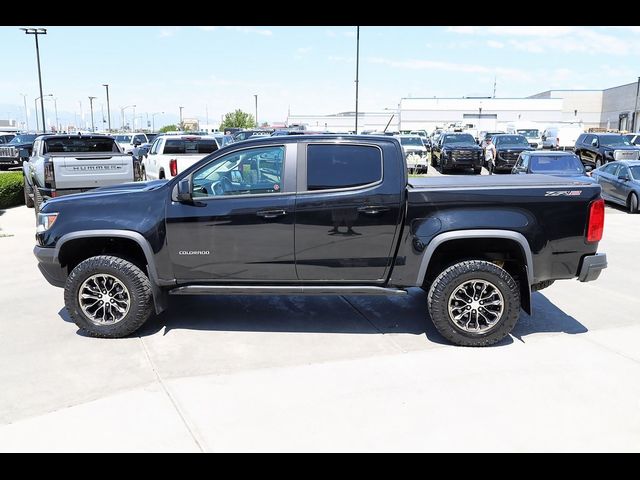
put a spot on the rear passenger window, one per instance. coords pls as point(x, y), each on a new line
point(342, 166)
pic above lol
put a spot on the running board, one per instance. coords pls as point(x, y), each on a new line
point(283, 290)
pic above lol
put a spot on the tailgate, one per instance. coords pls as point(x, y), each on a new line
point(92, 170)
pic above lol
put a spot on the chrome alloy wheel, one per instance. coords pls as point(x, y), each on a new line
point(476, 306)
point(104, 299)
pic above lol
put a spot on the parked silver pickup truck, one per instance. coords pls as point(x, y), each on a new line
point(64, 164)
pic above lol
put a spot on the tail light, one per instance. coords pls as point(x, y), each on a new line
point(595, 225)
point(173, 167)
point(48, 172)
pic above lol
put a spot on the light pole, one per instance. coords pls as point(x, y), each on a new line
point(55, 106)
point(35, 32)
point(91, 99)
point(153, 120)
point(122, 113)
point(133, 120)
point(357, 71)
point(255, 95)
point(35, 104)
point(181, 127)
point(26, 114)
point(106, 85)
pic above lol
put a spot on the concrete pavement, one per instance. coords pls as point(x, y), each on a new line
point(321, 373)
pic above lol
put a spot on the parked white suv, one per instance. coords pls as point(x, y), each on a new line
point(561, 138)
point(130, 141)
point(172, 154)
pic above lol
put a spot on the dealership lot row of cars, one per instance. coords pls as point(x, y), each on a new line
point(161, 156)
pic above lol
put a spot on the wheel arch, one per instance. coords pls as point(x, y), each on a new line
point(144, 254)
point(434, 255)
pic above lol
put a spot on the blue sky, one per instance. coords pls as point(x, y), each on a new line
point(310, 70)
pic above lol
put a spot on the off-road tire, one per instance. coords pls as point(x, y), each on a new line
point(455, 275)
point(28, 201)
point(126, 272)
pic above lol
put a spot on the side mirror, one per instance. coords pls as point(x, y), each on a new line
point(136, 143)
point(544, 137)
point(623, 177)
point(594, 142)
point(184, 190)
point(588, 168)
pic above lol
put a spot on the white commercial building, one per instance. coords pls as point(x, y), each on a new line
point(578, 106)
point(483, 113)
point(346, 121)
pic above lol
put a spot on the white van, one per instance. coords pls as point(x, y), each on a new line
point(561, 138)
point(530, 130)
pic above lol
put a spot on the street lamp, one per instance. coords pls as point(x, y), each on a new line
point(35, 32)
point(255, 95)
point(26, 114)
point(55, 106)
point(153, 120)
point(122, 113)
point(181, 127)
point(106, 85)
point(91, 99)
point(35, 104)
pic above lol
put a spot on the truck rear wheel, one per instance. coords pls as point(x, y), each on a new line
point(28, 201)
point(108, 297)
point(474, 303)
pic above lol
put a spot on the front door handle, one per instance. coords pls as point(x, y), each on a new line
point(271, 213)
point(372, 209)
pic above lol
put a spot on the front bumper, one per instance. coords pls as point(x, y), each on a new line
point(592, 266)
point(10, 160)
point(49, 266)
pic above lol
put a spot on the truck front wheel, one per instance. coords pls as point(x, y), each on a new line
point(474, 303)
point(108, 297)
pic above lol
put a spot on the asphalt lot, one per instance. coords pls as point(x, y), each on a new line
point(321, 373)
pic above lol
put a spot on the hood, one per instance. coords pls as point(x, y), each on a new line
point(514, 148)
point(461, 146)
point(111, 191)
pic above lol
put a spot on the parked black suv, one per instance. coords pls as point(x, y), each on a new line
point(18, 149)
point(456, 151)
point(508, 149)
point(596, 149)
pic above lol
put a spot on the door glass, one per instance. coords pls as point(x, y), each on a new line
point(342, 166)
point(250, 171)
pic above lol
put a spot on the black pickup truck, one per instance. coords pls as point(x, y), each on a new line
point(320, 215)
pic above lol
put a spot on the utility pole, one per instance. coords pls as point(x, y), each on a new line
point(181, 127)
point(494, 86)
point(255, 95)
point(106, 85)
point(133, 120)
point(153, 119)
point(206, 109)
point(35, 32)
point(357, 71)
point(26, 114)
point(93, 128)
point(635, 108)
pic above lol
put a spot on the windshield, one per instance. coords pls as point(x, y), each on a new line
point(529, 132)
point(510, 140)
point(417, 141)
point(123, 138)
point(22, 139)
point(635, 172)
point(613, 141)
point(79, 144)
point(189, 145)
point(567, 164)
point(464, 138)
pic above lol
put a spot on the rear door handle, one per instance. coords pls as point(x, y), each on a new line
point(271, 213)
point(372, 209)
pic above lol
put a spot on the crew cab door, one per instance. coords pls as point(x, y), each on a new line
point(240, 224)
point(347, 211)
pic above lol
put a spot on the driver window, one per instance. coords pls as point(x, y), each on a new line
point(251, 171)
point(154, 147)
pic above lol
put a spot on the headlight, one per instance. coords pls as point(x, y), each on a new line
point(45, 221)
